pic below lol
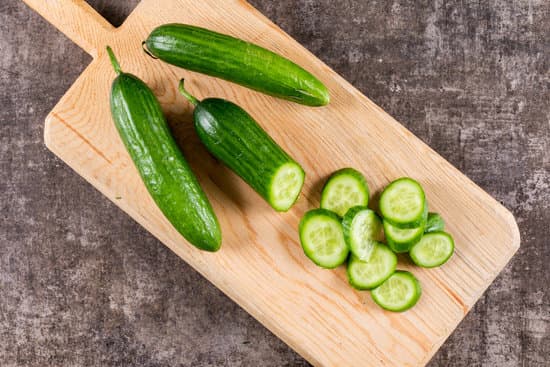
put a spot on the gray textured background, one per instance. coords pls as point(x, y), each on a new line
point(81, 284)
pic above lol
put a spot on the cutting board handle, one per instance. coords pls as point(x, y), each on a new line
point(77, 20)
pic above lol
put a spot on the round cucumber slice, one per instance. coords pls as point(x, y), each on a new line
point(322, 238)
point(286, 186)
point(402, 240)
point(344, 189)
point(364, 275)
point(362, 228)
point(434, 223)
point(434, 249)
point(398, 293)
point(403, 203)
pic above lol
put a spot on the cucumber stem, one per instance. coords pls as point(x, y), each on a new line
point(114, 61)
point(194, 101)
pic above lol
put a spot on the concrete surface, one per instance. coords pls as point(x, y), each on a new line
point(81, 284)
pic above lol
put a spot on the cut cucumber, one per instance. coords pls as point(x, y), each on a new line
point(231, 135)
point(286, 185)
point(322, 238)
point(398, 293)
point(403, 203)
point(364, 275)
point(362, 228)
point(434, 249)
point(344, 189)
point(434, 223)
point(402, 240)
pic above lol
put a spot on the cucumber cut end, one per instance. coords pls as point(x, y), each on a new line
point(434, 249)
point(345, 189)
point(286, 186)
point(398, 293)
point(322, 238)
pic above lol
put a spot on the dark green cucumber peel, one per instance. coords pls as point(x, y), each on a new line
point(402, 240)
point(235, 60)
point(434, 223)
point(165, 172)
point(231, 135)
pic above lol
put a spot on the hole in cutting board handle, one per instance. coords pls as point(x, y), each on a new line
point(115, 12)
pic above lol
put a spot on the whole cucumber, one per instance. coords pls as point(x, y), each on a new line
point(235, 60)
point(230, 134)
point(165, 172)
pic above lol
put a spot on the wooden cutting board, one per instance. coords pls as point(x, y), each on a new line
point(261, 265)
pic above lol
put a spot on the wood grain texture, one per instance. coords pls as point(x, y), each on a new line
point(261, 265)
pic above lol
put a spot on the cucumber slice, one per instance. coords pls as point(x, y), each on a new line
point(362, 228)
point(364, 275)
point(434, 249)
point(286, 186)
point(434, 223)
point(403, 203)
point(398, 293)
point(322, 238)
point(344, 189)
point(402, 240)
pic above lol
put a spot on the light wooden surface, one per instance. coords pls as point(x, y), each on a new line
point(261, 265)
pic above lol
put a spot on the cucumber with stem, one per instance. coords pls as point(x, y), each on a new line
point(165, 172)
point(231, 135)
point(219, 55)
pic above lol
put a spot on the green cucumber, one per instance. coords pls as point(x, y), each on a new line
point(362, 229)
point(343, 190)
point(402, 239)
point(322, 238)
point(365, 275)
point(166, 174)
point(434, 249)
point(237, 61)
point(434, 223)
point(398, 293)
point(231, 135)
point(403, 203)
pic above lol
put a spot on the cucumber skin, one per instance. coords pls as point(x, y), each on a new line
point(413, 302)
point(401, 247)
point(165, 172)
point(231, 135)
point(235, 60)
point(434, 223)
